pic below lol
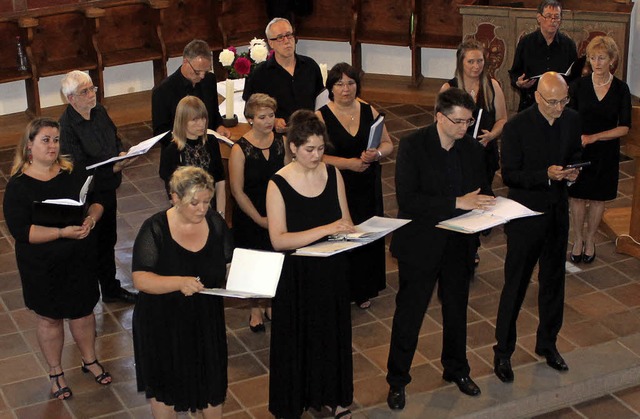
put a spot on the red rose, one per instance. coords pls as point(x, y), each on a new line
point(232, 49)
point(242, 66)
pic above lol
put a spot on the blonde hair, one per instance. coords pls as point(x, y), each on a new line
point(186, 181)
point(604, 43)
point(257, 101)
point(189, 108)
point(21, 158)
point(486, 90)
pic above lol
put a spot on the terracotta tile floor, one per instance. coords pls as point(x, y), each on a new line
point(602, 304)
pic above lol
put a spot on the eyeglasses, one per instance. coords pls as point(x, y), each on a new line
point(340, 84)
point(467, 122)
point(553, 18)
point(85, 92)
point(553, 103)
point(282, 37)
point(198, 72)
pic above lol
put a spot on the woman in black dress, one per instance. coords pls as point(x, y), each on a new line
point(310, 363)
point(192, 146)
point(488, 96)
point(254, 159)
point(604, 104)
point(54, 260)
point(348, 121)
point(179, 335)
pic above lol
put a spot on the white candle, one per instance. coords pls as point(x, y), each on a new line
point(229, 99)
point(323, 71)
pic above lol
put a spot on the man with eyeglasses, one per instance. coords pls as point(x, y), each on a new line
point(537, 144)
point(192, 78)
point(293, 80)
point(546, 49)
point(440, 174)
point(89, 136)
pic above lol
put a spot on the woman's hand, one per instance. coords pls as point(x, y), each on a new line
point(341, 226)
point(357, 165)
point(370, 155)
point(280, 125)
point(191, 285)
point(75, 232)
point(474, 200)
point(486, 137)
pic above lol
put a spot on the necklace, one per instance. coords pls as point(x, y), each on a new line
point(601, 84)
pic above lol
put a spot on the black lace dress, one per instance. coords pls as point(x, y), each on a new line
point(180, 342)
point(310, 363)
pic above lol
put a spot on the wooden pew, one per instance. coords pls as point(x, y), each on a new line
point(9, 72)
point(241, 21)
point(186, 20)
point(329, 22)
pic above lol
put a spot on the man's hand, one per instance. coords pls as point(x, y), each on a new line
point(558, 173)
point(523, 83)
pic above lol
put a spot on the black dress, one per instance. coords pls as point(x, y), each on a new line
point(57, 277)
point(206, 156)
point(599, 182)
point(487, 121)
point(310, 361)
point(257, 172)
point(364, 196)
point(180, 342)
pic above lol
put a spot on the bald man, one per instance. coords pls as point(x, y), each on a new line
point(537, 144)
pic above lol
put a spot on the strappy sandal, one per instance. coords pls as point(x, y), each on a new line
point(344, 414)
point(65, 391)
point(100, 377)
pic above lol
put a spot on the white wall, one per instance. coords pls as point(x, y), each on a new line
point(437, 63)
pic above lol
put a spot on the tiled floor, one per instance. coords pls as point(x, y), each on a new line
point(602, 304)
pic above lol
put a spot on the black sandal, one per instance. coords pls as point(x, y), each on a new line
point(65, 391)
point(345, 413)
point(100, 377)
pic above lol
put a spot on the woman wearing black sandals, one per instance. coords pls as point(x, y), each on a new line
point(54, 258)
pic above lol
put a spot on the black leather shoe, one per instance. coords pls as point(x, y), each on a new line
point(465, 384)
point(396, 398)
point(589, 259)
point(502, 368)
point(554, 359)
point(121, 295)
point(575, 258)
point(257, 328)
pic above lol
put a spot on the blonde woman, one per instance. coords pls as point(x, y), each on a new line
point(192, 146)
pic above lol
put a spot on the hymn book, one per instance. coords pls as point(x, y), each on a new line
point(62, 212)
point(134, 151)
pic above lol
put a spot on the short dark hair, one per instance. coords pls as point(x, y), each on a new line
point(335, 74)
point(451, 97)
point(555, 4)
point(304, 123)
point(197, 48)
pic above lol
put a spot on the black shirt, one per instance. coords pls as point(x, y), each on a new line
point(291, 92)
point(534, 57)
point(165, 98)
point(92, 141)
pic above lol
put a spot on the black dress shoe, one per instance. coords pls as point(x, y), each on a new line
point(502, 368)
point(257, 328)
point(554, 359)
point(589, 259)
point(121, 295)
point(465, 384)
point(396, 398)
point(575, 258)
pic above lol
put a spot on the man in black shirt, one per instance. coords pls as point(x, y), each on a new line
point(544, 50)
point(89, 136)
point(293, 80)
point(193, 78)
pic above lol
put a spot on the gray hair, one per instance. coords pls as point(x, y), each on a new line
point(72, 80)
point(197, 48)
point(274, 21)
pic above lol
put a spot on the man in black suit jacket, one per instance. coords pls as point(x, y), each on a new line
point(440, 173)
point(536, 145)
point(192, 78)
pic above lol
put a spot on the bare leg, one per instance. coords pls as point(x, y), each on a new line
point(212, 412)
point(596, 209)
point(83, 331)
point(256, 314)
point(50, 334)
point(578, 211)
point(160, 410)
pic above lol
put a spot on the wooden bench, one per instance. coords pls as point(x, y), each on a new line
point(241, 21)
point(329, 21)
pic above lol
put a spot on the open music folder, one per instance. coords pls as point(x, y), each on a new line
point(135, 151)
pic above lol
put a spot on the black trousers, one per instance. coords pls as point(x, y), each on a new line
point(416, 288)
point(540, 239)
point(106, 238)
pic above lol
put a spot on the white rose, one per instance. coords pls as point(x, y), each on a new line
point(226, 57)
point(256, 41)
point(258, 53)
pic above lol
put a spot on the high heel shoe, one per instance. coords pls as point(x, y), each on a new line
point(65, 391)
point(589, 258)
point(258, 328)
point(100, 377)
point(577, 258)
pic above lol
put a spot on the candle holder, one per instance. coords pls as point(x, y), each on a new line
point(229, 122)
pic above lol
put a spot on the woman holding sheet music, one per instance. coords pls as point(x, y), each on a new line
point(310, 361)
point(348, 122)
point(178, 334)
point(54, 260)
point(254, 159)
point(192, 146)
point(487, 94)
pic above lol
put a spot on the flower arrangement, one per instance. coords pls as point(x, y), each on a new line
point(240, 65)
